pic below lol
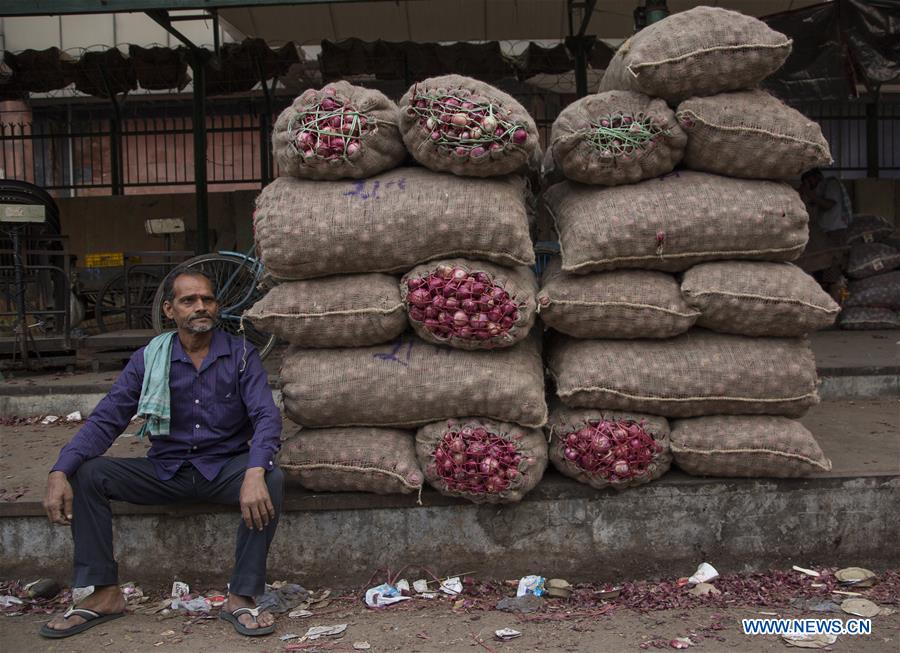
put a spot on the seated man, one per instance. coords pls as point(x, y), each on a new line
point(214, 433)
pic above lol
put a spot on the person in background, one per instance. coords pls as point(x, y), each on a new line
point(214, 432)
point(826, 201)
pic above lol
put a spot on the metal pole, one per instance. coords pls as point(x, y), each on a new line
point(872, 162)
point(198, 69)
point(581, 88)
point(20, 296)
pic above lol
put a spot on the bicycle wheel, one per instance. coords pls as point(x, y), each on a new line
point(239, 295)
point(109, 311)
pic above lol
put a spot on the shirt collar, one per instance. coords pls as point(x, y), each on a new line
point(218, 347)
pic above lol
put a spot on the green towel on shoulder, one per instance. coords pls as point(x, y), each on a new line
point(155, 402)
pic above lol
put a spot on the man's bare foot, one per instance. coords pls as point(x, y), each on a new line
point(235, 601)
point(107, 599)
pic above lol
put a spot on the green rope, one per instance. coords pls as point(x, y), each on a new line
point(617, 135)
point(311, 122)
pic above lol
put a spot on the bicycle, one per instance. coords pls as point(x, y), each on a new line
point(239, 284)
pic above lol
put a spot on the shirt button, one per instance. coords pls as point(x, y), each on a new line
point(270, 462)
point(194, 448)
point(196, 401)
point(196, 426)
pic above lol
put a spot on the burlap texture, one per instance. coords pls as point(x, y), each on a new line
point(581, 160)
point(866, 228)
point(879, 291)
point(511, 158)
point(697, 373)
point(676, 221)
point(744, 446)
point(381, 148)
point(750, 134)
point(869, 259)
point(755, 298)
point(530, 444)
point(409, 383)
point(702, 51)
point(389, 223)
point(351, 310)
point(563, 421)
point(362, 459)
point(519, 282)
point(863, 318)
point(616, 304)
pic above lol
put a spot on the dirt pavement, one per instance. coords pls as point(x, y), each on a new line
point(436, 626)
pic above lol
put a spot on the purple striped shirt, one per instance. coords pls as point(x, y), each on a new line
point(218, 412)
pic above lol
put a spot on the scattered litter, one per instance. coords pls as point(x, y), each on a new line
point(384, 594)
point(79, 594)
point(860, 607)
point(324, 631)
point(886, 611)
point(608, 592)
point(522, 604)
point(402, 585)
point(804, 640)
point(681, 642)
point(558, 588)
point(281, 597)
point(704, 574)
point(843, 593)
point(815, 605)
point(420, 586)
point(74, 417)
point(300, 614)
point(506, 634)
point(180, 589)
point(452, 586)
point(769, 614)
point(43, 588)
point(530, 585)
point(856, 576)
point(361, 646)
point(50, 419)
point(808, 572)
point(199, 604)
point(7, 600)
point(217, 600)
point(168, 633)
point(289, 636)
point(704, 589)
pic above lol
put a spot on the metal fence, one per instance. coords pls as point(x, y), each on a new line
point(148, 147)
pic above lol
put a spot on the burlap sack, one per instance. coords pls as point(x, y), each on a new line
point(697, 373)
point(866, 228)
point(584, 139)
point(676, 221)
point(380, 145)
point(863, 318)
point(409, 383)
point(530, 444)
point(879, 291)
point(743, 446)
point(352, 310)
point(563, 421)
point(389, 223)
point(382, 461)
point(755, 298)
point(702, 51)
point(869, 259)
point(750, 134)
point(440, 156)
point(519, 282)
point(617, 304)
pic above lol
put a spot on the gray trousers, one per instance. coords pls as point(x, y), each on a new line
point(134, 480)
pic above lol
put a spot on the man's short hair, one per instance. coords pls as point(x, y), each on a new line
point(183, 270)
point(815, 172)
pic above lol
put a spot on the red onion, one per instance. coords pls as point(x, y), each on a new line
point(614, 450)
point(327, 127)
point(476, 460)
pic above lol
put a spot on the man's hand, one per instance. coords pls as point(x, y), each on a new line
point(256, 505)
point(58, 499)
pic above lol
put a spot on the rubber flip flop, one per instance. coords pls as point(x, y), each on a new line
point(232, 618)
point(91, 619)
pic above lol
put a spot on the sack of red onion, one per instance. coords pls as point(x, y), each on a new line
point(702, 51)
point(468, 304)
point(461, 125)
point(362, 459)
point(756, 298)
point(868, 228)
point(389, 223)
point(869, 259)
point(673, 222)
point(608, 448)
point(746, 446)
point(615, 304)
point(880, 291)
point(350, 310)
point(410, 382)
point(341, 131)
point(480, 459)
point(617, 137)
point(750, 134)
point(697, 373)
point(865, 318)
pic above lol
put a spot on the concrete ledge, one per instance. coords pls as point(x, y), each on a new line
point(562, 529)
point(854, 386)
